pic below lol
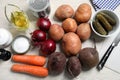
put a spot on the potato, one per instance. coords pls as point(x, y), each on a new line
point(56, 63)
point(88, 57)
point(73, 66)
point(69, 25)
point(56, 32)
point(83, 13)
point(84, 31)
point(64, 11)
point(71, 44)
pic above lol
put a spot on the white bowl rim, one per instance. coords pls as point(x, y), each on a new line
point(108, 35)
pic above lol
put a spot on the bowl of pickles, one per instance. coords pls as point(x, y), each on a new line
point(105, 23)
point(17, 17)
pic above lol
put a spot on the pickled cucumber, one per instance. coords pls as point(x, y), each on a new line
point(98, 27)
point(109, 18)
point(104, 22)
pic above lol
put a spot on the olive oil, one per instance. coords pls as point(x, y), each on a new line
point(19, 19)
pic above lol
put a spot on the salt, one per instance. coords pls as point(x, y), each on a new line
point(21, 45)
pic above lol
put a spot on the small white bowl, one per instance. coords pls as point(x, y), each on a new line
point(115, 27)
point(5, 38)
point(21, 44)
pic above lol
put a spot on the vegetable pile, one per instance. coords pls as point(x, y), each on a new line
point(30, 59)
point(70, 34)
point(44, 24)
point(35, 67)
point(56, 63)
point(83, 13)
point(64, 11)
point(39, 37)
point(30, 69)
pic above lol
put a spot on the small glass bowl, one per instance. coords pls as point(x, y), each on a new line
point(16, 17)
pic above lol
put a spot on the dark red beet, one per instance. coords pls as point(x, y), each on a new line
point(56, 63)
point(73, 66)
point(88, 57)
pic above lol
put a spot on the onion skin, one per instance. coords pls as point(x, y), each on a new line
point(37, 37)
point(44, 24)
point(48, 47)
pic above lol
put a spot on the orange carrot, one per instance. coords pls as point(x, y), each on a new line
point(29, 69)
point(30, 59)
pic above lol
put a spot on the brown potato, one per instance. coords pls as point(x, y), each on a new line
point(56, 32)
point(69, 25)
point(84, 31)
point(64, 11)
point(83, 13)
point(71, 44)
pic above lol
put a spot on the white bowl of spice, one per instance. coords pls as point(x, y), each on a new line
point(21, 44)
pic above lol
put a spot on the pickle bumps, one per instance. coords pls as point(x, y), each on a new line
point(109, 18)
point(98, 27)
point(104, 21)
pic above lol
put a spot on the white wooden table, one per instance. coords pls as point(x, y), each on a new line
point(93, 74)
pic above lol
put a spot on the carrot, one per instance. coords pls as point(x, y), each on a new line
point(30, 59)
point(29, 69)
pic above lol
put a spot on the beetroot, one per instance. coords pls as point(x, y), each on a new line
point(73, 66)
point(56, 63)
point(88, 57)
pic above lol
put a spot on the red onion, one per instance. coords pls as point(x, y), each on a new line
point(48, 47)
point(44, 24)
point(38, 36)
